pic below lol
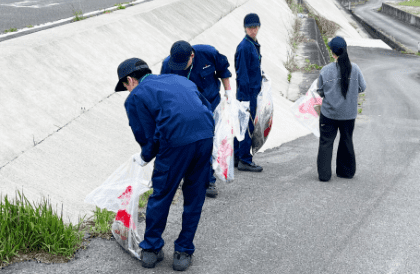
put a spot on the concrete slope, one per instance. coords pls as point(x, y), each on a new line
point(331, 10)
point(64, 130)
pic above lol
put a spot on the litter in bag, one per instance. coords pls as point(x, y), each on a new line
point(263, 116)
point(305, 109)
point(120, 193)
point(231, 120)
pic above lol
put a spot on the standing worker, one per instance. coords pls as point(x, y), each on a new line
point(339, 83)
point(248, 83)
point(203, 65)
point(173, 122)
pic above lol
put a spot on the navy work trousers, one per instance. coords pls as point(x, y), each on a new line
point(191, 163)
point(243, 148)
point(346, 159)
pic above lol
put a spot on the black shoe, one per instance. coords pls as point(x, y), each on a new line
point(149, 258)
point(249, 167)
point(344, 177)
point(236, 162)
point(182, 261)
point(211, 191)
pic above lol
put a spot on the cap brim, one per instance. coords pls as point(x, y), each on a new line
point(252, 25)
point(177, 66)
point(120, 87)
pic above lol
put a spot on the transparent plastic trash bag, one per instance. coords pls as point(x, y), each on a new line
point(120, 193)
point(231, 119)
point(305, 109)
point(263, 116)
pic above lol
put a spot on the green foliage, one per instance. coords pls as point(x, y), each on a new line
point(120, 6)
point(10, 30)
point(78, 15)
point(289, 77)
point(413, 3)
point(310, 67)
point(144, 198)
point(102, 222)
point(26, 227)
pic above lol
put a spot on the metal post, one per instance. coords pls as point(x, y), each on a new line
point(418, 47)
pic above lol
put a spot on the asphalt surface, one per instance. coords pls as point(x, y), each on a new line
point(284, 220)
point(402, 32)
point(23, 13)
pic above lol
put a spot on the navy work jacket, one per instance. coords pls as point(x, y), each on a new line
point(248, 69)
point(167, 111)
point(208, 65)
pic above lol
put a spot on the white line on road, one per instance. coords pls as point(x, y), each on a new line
point(29, 4)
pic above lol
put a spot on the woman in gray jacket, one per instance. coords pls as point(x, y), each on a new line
point(339, 84)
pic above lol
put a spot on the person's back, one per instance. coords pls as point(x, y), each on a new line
point(334, 105)
point(180, 116)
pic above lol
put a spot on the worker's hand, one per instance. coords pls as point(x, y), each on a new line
point(139, 160)
point(228, 95)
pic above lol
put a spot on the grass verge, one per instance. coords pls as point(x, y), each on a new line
point(29, 230)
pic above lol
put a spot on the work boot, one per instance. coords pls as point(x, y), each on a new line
point(211, 191)
point(236, 162)
point(182, 261)
point(149, 258)
point(249, 167)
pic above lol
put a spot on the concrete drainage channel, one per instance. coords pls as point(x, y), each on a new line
point(312, 50)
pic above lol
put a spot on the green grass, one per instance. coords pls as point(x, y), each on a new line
point(413, 3)
point(10, 30)
point(289, 77)
point(144, 198)
point(78, 15)
point(120, 6)
point(27, 227)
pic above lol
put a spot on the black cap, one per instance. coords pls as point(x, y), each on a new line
point(252, 20)
point(336, 44)
point(180, 55)
point(127, 67)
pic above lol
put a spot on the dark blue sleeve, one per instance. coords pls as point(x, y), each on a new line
point(242, 79)
point(222, 65)
point(143, 126)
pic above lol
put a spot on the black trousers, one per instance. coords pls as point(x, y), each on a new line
point(346, 159)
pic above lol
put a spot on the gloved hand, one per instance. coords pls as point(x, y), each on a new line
point(228, 95)
point(139, 160)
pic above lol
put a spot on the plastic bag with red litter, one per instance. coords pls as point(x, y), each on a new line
point(120, 193)
point(231, 120)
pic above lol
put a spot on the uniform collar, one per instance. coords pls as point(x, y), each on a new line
point(247, 37)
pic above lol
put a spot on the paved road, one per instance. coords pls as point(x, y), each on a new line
point(284, 220)
point(22, 13)
point(404, 33)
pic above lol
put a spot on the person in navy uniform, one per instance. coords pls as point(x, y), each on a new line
point(172, 121)
point(203, 65)
point(248, 84)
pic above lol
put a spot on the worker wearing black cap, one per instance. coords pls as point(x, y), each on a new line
point(248, 84)
point(203, 65)
point(172, 121)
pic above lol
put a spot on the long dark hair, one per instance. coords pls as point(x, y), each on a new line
point(344, 64)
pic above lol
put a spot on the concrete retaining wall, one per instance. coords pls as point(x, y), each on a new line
point(379, 34)
point(401, 15)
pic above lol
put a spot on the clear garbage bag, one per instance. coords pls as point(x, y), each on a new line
point(120, 193)
point(263, 116)
point(231, 120)
point(306, 108)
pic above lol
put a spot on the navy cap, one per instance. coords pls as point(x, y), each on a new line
point(127, 67)
point(180, 55)
point(251, 20)
point(336, 44)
